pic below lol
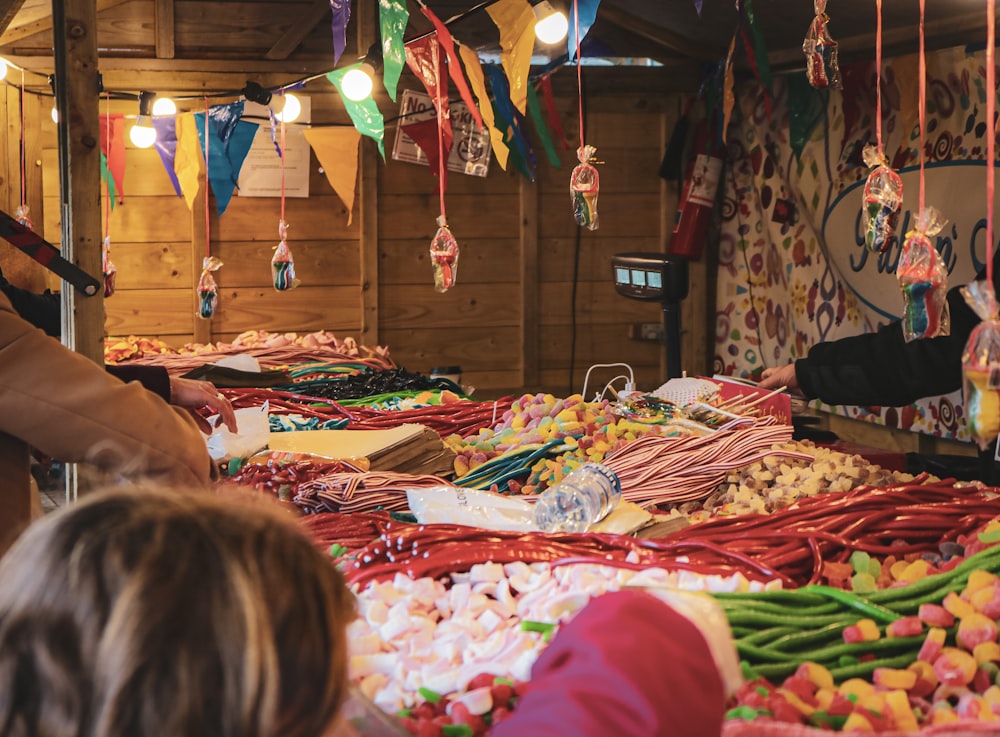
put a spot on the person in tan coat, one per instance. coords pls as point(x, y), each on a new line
point(70, 408)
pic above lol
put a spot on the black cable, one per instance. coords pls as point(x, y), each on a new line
point(577, 247)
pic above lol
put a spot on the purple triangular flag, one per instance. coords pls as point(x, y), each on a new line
point(166, 147)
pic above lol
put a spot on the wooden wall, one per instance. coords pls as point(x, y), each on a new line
point(509, 320)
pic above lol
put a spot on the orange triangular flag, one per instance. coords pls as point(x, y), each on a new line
point(337, 152)
point(474, 72)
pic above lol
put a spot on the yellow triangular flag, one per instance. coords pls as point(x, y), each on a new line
point(474, 73)
point(337, 152)
point(189, 161)
point(516, 21)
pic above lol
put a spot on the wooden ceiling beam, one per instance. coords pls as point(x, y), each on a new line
point(42, 25)
point(298, 30)
point(164, 29)
point(955, 30)
point(657, 34)
point(8, 9)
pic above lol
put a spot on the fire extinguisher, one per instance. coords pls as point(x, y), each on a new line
point(694, 213)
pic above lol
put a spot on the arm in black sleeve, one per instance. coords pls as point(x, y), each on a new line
point(41, 310)
point(881, 368)
point(154, 378)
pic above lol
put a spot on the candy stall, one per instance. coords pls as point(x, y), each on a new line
point(518, 327)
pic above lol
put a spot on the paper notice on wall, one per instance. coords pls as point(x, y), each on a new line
point(261, 172)
point(470, 148)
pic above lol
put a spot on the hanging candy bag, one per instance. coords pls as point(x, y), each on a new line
point(444, 256)
point(822, 66)
point(208, 290)
point(883, 199)
point(108, 268)
point(584, 184)
point(282, 264)
point(981, 366)
point(923, 280)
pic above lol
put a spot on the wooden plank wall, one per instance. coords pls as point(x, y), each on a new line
point(509, 320)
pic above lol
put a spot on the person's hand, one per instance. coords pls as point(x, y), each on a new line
point(194, 394)
point(781, 376)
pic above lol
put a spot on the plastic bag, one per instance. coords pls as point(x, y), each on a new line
point(22, 216)
point(282, 264)
point(883, 199)
point(208, 290)
point(108, 268)
point(254, 434)
point(455, 505)
point(822, 66)
point(981, 366)
point(584, 185)
point(923, 279)
point(444, 257)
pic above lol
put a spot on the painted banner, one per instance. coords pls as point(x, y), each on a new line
point(793, 268)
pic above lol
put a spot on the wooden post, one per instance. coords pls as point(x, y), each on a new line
point(368, 239)
point(530, 333)
point(77, 89)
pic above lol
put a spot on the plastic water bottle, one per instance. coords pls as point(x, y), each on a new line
point(584, 497)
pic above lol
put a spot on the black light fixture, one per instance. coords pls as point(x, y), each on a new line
point(255, 93)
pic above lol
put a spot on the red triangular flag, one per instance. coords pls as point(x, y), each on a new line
point(425, 134)
point(454, 68)
point(113, 147)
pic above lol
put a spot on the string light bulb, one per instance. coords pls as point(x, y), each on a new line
point(164, 106)
point(358, 82)
point(143, 134)
point(55, 114)
point(3, 68)
point(291, 110)
point(552, 25)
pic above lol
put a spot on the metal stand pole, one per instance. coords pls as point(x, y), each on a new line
point(672, 337)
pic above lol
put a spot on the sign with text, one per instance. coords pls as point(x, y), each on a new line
point(470, 148)
point(261, 172)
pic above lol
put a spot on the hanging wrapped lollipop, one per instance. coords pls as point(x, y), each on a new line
point(444, 256)
point(22, 216)
point(923, 279)
point(980, 363)
point(282, 264)
point(883, 199)
point(208, 290)
point(822, 66)
point(110, 272)
point(583, 188)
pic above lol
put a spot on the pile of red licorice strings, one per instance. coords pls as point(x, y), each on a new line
point(658, 470)
point(791, 544)
point(463, 418)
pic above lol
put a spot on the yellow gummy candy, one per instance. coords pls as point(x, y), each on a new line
point(982, 405)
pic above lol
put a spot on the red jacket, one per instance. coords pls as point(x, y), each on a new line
point(626, 664)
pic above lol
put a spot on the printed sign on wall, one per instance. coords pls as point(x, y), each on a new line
point(470, 149)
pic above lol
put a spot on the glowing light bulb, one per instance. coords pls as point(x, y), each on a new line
point(291, 111)
point(357, 83)
point(55, 114)
point(553, 27)
point(142, 135)
point(164, 106)
point(3, 68)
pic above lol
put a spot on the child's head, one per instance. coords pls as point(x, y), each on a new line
point(168, 613)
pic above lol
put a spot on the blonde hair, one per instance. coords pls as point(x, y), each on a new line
point(167, 613)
